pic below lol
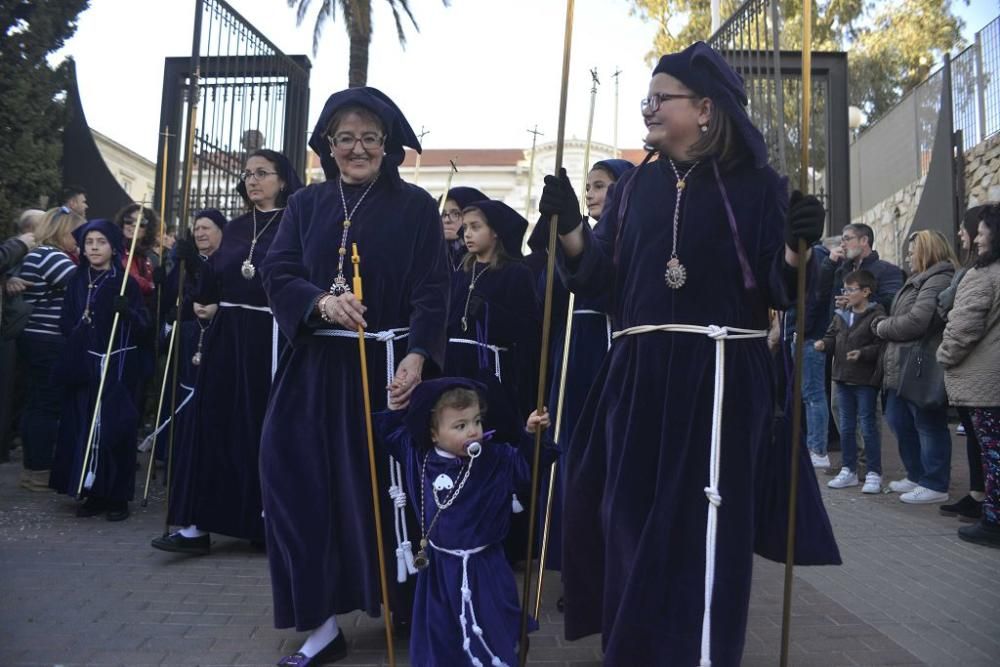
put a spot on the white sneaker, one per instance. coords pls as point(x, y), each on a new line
point(960, 429)
point(843, 479)
point(820, 461)
point(873, 483)
point(923, 496)
point(902, 486)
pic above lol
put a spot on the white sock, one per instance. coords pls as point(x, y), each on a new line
point(978, 496)
point(320, 637)
point(191, 531)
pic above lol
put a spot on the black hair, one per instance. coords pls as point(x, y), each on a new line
point(862, 278)
point(70, 191)
point(863, 231)
point(282, 165)
point(990, 218)
point(149, 235)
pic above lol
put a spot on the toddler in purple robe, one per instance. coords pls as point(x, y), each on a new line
point(466, 610)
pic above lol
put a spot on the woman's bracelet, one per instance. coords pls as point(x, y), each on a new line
point(322, 311)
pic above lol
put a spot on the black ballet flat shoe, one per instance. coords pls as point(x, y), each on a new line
point(966, 509)
point(332, 652)
point(177, 543)
point(91, 507)
point(117, 511)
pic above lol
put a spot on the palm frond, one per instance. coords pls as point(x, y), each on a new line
point(325, 13)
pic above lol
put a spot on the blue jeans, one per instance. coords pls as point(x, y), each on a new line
point(814, 398)
point(856, 403)
point(43, 399)
point(924, 441)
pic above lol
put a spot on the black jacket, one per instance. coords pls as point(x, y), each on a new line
point(842, 338)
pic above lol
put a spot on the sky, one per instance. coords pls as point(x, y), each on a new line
point(479, 74)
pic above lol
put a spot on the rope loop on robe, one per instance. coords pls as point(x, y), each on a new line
point(720, 334)
point(607, 319)
point(467, 622)
point(495, 349)
point(404, 548)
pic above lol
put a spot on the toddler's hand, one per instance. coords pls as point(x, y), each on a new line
point(535, 420)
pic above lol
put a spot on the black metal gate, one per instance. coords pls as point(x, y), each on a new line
point(751, 41)
point(248, 95)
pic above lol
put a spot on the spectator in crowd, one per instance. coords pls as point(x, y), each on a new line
point(74, 198)
point(47, 269)
point(814, 380)
point(970, 506)
point(28, 219)
point(856, 376)
point(145, 260)
point(922, 433)
point(856, 252)
point(970, 355)
point(14, 249)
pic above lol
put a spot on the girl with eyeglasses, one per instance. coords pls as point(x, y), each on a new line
point(217, 485)
point(666, 471)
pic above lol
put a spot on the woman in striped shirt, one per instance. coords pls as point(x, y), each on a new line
point(47, 270)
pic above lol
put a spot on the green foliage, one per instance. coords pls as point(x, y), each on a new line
point(32, 112)
point(892, 45)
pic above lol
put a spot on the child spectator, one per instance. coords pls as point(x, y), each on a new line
point(856, 376)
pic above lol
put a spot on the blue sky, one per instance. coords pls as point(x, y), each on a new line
point(478, 74)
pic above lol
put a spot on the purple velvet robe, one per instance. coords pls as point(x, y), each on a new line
point(314, 459)
point(114, 450)
point(216, 484)
point(635, 507)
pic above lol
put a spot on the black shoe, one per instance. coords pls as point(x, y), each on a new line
point(561, 604)
point(117, 511)
point(400, 627)
point(332, 652)
point(982, 533)
point(92, 506)
point(966, 508)
point(177, 543)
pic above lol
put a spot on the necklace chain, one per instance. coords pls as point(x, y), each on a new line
point(340, 285)
point(92, 285)
point(463, 477)
point(248, 269)
point(676, 274)
point(468, 296)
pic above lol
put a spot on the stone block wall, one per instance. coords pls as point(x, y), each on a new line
point(891, 217)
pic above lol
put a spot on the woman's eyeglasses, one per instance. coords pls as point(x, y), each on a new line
point(259, 174)
point(347, 141)
point(652, 103)
point(454, 216)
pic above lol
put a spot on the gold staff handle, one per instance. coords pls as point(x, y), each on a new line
point(376, 505)
point(106, 361)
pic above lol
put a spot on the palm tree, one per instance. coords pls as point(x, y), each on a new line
point(358, 22)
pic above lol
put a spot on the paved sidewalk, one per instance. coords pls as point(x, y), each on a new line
point(88, 592)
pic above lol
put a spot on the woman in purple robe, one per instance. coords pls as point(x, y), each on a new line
point(314, 464)
point(88, 312)
point(692, 251)
point(216, 486)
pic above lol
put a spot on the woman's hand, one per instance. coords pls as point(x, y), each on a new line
point(819, 346)
point(853, 355)
point(345, 310)
point(15, 286)
point(206, 312)
point(408, 376)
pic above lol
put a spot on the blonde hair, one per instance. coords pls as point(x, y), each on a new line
point(55, 223)
point(928, 247)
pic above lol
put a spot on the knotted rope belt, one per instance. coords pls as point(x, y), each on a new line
point(720, 335)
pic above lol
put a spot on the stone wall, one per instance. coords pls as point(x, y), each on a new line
point(891, 217)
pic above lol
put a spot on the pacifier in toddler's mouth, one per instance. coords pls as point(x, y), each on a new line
point(473, 449)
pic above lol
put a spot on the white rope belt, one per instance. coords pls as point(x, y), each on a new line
point(147, 444)
point(245, 306)
point(496, 350)
point(719, 335)
point(464, 620)
point(404, 548)
point(607, 319)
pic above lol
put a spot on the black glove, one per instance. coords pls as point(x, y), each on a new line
point(806, 218)
point(186, 250)
point(159, 275)
point(121, 305)
point(558, 198)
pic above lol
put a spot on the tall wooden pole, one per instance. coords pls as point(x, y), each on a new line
point(546, 333)
point(616, 75)
point(376, 504)
point(416, 165)
point(567, 338)
point(800, 325)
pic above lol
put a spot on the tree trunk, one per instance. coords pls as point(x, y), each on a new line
point(357, 71)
